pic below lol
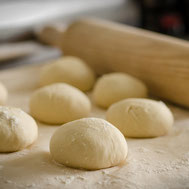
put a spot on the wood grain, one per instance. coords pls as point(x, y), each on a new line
point(162, 62)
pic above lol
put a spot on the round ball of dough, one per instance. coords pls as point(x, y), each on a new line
point(71, 70)
point(3, 94)
point(17, 129)
point(140, 117)
point(113, 87)
point(59, 103)
point(88, 143)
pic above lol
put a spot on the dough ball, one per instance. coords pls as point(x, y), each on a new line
point(113, 87)
point(59, 103)
point(71, 70)
point(88, 143)
point(17, 129)
point(140, 117)
point(3, 94)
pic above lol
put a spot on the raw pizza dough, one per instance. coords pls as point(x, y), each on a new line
point(3, 94)
point(158, 163)
point(71, 70)
point(17, 129)
point(59, 103)
point(88, 143)
point(113, 87)
point(141, 117)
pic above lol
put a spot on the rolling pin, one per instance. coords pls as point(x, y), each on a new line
point(162, 62)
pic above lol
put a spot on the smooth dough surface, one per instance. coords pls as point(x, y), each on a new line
point(59, 103)
point(141, 117)
point(17, 129)
point(71, 70)
point(3, 94)
point(113, 87)
point(88, 143)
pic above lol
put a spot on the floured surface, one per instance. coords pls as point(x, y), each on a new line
point(152, 163)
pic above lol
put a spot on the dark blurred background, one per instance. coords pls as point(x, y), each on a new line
point(165, 16)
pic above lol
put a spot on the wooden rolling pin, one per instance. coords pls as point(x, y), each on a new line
point(162, 62)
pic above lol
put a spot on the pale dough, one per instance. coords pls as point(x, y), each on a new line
point(59, 103)
point(113, 87)
point(88, 143)
point(71, 70)
point(3, 94)
point(17, 129)
point(141, 117)
point(153, 163)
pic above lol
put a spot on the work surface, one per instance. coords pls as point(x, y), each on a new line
point(161, 162)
